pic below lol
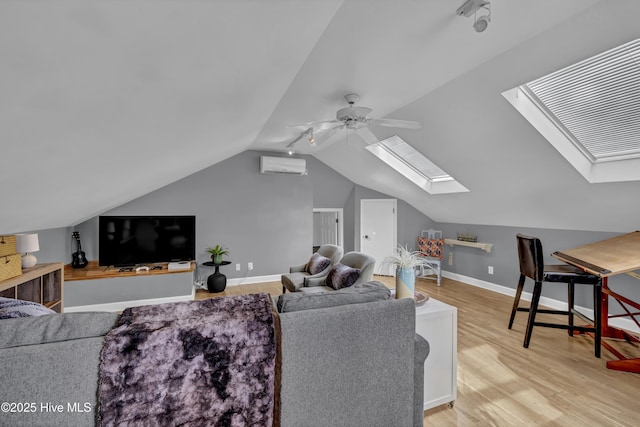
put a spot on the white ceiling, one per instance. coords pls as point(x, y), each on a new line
point(101, 102)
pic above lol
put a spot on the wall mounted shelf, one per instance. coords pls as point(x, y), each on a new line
point(484, 246)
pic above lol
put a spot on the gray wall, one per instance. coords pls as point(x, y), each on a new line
point(350, 232)
point(56, 245)
point(260, 213)
point(410, 220)
point(330, 189)
point(264, 219)
point(333, 190)
point(473, 262)
point(267, 219)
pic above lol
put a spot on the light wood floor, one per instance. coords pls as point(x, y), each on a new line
point(555, 382)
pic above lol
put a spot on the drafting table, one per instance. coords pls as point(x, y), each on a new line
point(617, 255)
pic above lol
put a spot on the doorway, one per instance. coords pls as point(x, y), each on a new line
point(327, 227)
point(378, 231)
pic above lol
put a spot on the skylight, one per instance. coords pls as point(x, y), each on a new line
point(405, 159)
point(590, 112)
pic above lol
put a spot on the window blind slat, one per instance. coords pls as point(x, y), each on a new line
point(597, 101)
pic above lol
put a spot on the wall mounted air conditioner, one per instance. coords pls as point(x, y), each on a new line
point(284, 165)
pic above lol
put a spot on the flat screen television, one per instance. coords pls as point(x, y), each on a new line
point(133, 240)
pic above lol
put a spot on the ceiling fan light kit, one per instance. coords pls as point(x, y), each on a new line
point(352, 117)
point(471, 7)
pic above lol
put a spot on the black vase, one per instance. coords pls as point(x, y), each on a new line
point(216, 283)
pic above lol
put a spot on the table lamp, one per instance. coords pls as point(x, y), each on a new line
point(25, 244)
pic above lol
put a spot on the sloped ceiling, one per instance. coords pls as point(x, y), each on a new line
point(101, 102)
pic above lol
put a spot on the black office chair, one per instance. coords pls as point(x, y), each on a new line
point(532, 265)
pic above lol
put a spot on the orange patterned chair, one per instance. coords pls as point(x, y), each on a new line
point(431, 246)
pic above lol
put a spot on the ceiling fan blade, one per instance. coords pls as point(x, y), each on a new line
point(326, 135)
point(367, 135)
point(317, 126)
point(396, 123)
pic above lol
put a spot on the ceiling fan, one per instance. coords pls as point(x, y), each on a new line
point(355, 118)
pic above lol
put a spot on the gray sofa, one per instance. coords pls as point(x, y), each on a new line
point(349, 365)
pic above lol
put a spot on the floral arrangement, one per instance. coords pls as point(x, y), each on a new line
point(404, 258)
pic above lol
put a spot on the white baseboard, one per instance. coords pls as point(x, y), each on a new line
point(244, 280)
point(121, 305)
point(626, 324)
point(253, 279)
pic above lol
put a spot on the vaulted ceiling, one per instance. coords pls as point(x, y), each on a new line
point(102, 102)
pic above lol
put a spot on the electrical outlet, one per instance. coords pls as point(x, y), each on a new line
point(450, 258)
point(490, 269)
point(250, 266)
point(237, 267)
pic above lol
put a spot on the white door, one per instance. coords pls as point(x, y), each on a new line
point(327, 226)
point(378, 228)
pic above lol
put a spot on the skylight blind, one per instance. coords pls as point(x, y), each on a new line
point(414, 159)
point(597, 101)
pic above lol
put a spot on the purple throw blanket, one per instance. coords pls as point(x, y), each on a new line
point(212, 362)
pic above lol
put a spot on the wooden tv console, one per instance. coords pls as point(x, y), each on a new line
point(94, 271)
point(99, 288)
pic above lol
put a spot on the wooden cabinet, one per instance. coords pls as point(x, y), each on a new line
point(96, 288)
point(43, 284)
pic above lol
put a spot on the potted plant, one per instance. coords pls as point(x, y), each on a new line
point(217, 252)
point(405, 262)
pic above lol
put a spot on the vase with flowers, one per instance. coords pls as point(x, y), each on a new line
point(405, 262)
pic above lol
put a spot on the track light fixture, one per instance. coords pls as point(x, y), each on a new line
point(482, 23)
point(308, 133)
point(291, 145)
point(471, 7)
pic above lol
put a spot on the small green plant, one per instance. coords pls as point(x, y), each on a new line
point(217, 252)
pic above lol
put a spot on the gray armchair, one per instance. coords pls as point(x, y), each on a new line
point(363, 262)
point(294, 280)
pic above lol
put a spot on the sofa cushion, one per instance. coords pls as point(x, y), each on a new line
point(12, 308)
point(363, 292)
point(342, 276)
point(54, 328)
point(293, 281)
point(317, 263)
point(316, 289)
point(62, 372)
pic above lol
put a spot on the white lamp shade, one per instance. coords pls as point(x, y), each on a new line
point(26, 243)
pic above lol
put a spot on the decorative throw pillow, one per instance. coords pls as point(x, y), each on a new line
point(431, 247)
point(317, 263)
point(341, 276)
point(11, 308)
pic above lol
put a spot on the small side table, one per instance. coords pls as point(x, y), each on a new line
point(217, 282)
point(437, 322)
